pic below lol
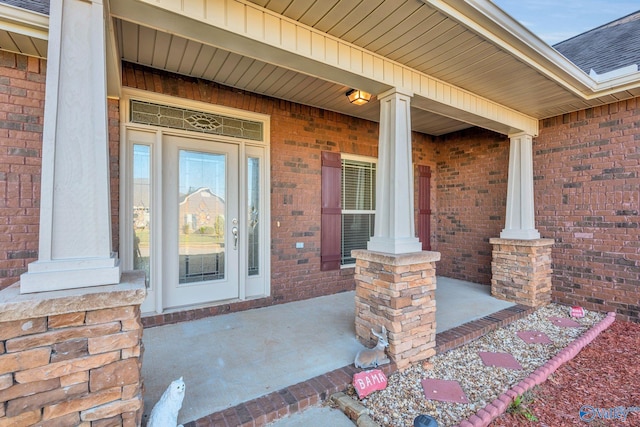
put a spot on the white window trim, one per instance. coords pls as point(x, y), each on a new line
point(357, 158)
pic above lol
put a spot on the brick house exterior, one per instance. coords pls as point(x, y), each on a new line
point(577, 141)
point(596, 187)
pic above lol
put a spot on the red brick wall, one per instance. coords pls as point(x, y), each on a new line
point(22, 81)
point(587, 185)
point(471, 185)
point(298, 136)
point(22, 93)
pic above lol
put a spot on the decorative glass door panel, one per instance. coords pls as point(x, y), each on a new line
point(253, 220)
point(201, 228)
point(201, 216)
point(142, 209)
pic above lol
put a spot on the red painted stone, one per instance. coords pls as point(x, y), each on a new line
point(577, 311)
point(564, 322)
point(534, 337)
point(443, 390)
point(499, 360)
point(367, 382)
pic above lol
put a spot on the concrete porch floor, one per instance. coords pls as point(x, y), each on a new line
point(229, 359)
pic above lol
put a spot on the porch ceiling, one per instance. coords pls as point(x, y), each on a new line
point(161, 50)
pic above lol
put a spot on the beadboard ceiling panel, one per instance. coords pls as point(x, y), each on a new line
point(160, 50)
point(20, 43)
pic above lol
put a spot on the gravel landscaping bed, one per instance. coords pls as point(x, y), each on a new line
point(403, 399)
point(603, 377)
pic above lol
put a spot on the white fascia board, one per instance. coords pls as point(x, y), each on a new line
point(24, 22)
point(492, 23)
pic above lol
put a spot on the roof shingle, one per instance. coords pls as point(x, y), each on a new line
point(40, 6)
point(605, 48)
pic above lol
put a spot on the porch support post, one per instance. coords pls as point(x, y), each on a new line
point(75, 214)
point(521, 261)
point(394, 222)
point(397, 292)
point(521, 271)
point(520, 217)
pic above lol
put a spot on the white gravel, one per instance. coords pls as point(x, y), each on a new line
point(403, 399)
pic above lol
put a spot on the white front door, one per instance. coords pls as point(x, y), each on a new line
point(201, 221)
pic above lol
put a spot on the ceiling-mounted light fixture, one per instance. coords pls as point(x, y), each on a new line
point(358, 97)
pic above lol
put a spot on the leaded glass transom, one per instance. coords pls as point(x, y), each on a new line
point(148, 113)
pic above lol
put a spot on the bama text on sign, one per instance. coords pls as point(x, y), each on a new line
point(369, 381)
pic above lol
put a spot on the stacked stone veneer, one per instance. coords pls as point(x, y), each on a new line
point(72, 358)
point(397, 292)
point(521, 271)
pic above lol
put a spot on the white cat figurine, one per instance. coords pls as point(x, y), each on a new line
point(165, 412)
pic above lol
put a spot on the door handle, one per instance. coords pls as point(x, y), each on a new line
point(234, 231)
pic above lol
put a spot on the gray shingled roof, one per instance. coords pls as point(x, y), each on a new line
point(606, 48)
point(40, 6)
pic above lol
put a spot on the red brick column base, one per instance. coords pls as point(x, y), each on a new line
point(72, 357)
point(398, 292)
point(521, 271)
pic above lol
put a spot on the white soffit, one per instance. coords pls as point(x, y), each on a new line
point(23, 31)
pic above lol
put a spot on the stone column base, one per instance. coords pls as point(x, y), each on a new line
point(72, 357)
point(521, 271)
point(397, 292)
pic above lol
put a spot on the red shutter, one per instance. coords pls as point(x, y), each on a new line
point(331, 224)
point(424, 206)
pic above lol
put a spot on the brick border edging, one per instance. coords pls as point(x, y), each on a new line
point(486, 415)
point(289, 400)
point(463, 334)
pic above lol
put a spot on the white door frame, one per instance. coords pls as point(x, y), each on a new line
point(250, 287)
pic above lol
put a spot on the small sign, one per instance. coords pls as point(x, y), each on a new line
point(577, 311)
point(367, 382)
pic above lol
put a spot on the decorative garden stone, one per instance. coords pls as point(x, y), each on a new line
point(367, 382)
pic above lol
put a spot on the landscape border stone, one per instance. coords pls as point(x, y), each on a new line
point(484, 416)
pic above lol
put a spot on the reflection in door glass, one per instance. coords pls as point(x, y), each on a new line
point(253, 232)
point(141, 208)
point(201, 217)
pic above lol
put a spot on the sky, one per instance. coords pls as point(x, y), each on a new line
point(558, 20)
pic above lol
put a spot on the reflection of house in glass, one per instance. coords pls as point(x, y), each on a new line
point(141, 203)
point(201, 220)
point(202, 212)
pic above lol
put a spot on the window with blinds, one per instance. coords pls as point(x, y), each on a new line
point(358, 206)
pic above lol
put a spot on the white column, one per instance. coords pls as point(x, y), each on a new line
point(75, 214)
point(520, 220)
point(394, 228)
